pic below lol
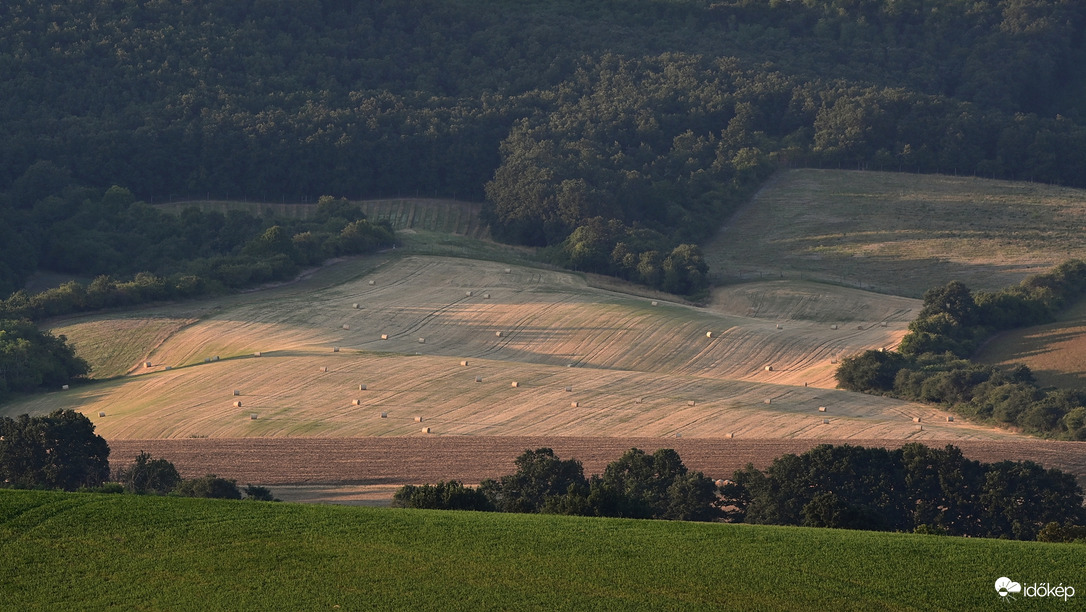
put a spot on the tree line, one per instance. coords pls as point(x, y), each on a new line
point(932, 363)
point(914, 489)
point(61, 451)
point(655, 118)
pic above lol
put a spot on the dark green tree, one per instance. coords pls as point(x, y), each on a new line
point(56, 451)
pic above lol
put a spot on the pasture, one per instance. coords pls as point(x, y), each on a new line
point(1055, 352)
point(93, 551)
point(899, 234)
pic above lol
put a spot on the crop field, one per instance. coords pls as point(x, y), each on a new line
point(88, 551)
point(899, 233)
point(1055, 352)
point(631, 368)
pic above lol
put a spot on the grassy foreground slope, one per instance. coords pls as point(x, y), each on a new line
point(86, 551)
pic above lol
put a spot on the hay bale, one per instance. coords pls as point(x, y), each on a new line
point(515, 384)
point(384, 336)
point(169, 367)
point(916, 419)
point(883, 324)
point(691, 403)
point(237, 392)
point(362, 387)
point(729, 435)
point(769, 400)
point(655, 303)
point(468, 294)
point(425, 430)
point(860, 327)
point(569, 389)
point(821, 408)
point(215, 358)
point(356, 305)
point(384, 415)
point(498, 334)
point(834, 326)
point(324, 368)
point(372, 283)
point(464, 362)
point(778, 325)
point(478, 379)
point(950, 419)
point(256, 354)
point(335, 349)
point(769, 368)
point(207, 360)
point(418, 419)
point(422, 340)
point(678, 435)
point(252, 416)
point(508, 270)
point(64, 387)
point(356, 402)
point(708, 334)
point(346, 326)
point(146, 364)
point(919, 428)
point(101, 414)
point(639, 400)
point(574, 404)
point(237, 404)
point(825, 421)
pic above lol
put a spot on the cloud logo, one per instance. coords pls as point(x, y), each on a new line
point(1005, 586)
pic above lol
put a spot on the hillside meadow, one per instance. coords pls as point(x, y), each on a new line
point(1054, 352)
point(92, 551)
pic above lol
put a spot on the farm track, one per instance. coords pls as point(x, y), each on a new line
point(471, 459)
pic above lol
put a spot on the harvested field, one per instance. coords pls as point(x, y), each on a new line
point(471, 459)
point(899, 233)
point(1056, 352)
point(95, 339)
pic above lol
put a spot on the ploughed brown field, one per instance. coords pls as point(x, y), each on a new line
point(332, 468)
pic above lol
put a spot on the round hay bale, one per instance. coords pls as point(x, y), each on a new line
point(655, 303)
point(256, 354)
point(346, 326)
point(64, 387)
point(508, 270)
point(883, 324)
point(324, 368)
point(169, 367)
point(569, 389)
point(486, 296)
point(834, 326)
point(769, 400)
point(422, 340)
point(919, 428)
point(916, 419)
point(362, 387)
point(825, 421)
point(515, 384)
point(237, 404)
point(384, 336)
point(574, 404)
point(384, 415)
point(467, 294)
point(678, 434)
point(237, 392)
point(691, 403)
point(418, 419)
point(146, 364)
point(639, 400)
point(709, 334)
point(215, 358)
point(769, 368)
point(950, 419)
point(335, 349)
point(778, 325)
point(356, 305)
point(101, 414)
point(478, 379)
point(372, 283)
point(729, 435)
point(356, 402)
point(498, 334)
point(821, 408)
point(425, 430)
point(252, 416)
point(464, 362)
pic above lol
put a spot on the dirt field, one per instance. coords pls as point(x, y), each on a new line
point(370, 468)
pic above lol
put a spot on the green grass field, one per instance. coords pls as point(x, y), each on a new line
point(90, 552)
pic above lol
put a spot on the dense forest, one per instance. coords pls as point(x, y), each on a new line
point(639, 122)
